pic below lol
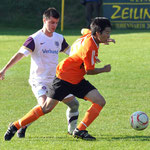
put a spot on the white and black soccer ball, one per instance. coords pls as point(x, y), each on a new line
point(139, 120)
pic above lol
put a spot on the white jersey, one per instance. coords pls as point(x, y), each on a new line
point(44, 55)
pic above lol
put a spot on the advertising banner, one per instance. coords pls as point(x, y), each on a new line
point(128, 13)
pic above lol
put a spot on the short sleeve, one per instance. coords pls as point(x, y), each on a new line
point(29, 44)
point(64, 46)
point(27, 47)
point(24, 51)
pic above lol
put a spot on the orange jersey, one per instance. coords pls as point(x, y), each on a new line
point(85, 31)
point(82, 58)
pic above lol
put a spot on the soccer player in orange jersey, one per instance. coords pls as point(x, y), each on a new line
point(70, 80)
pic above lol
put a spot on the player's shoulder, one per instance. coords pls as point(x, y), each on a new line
point(88, 39)
point(36, 34)
point(90, 43)
point(85, 31)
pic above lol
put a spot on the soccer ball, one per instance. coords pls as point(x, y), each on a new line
point(139, 120)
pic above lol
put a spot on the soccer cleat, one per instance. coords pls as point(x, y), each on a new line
point(10, 132)
point(83, 134)
point(69, 133)
point(21, 132)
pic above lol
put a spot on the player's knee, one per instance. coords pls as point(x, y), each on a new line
point(48, 106)
point(101, 101)
point(46, 110)
point(40, 103)
point(73, 105)
point(41, 100)
point(76, 104)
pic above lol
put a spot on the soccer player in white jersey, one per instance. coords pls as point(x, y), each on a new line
point(44, 46)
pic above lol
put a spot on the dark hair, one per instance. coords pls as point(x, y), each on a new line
point(51, 12)
point(99, 24)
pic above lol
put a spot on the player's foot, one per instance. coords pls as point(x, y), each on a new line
point(83, 134)
point(10, 132)
point(69, 133)
point(21, 132)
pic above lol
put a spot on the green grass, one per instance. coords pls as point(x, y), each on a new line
point(125, 88)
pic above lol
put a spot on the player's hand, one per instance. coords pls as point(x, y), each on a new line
point(2, 75)
point(109, 40)
point(107, 68)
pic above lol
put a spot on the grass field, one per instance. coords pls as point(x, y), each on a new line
point(126, 89)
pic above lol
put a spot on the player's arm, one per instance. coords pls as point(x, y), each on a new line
point(97, 60)
point(110, 40)
point(89, 63)
point(106, 68)
point(16, 58)
point(25, 50)
point(65, 48)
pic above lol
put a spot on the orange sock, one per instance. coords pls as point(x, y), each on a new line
point(31, 116)
point(90, 116)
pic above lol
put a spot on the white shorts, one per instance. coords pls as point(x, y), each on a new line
point(41, 88)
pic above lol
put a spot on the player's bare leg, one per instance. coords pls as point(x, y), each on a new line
point(21, 132)
point(92, 113)
point(30, 117)
point(71, 113)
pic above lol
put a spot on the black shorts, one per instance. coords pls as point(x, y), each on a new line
point(60, 89)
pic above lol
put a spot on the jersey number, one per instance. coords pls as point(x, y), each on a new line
point(92, 58)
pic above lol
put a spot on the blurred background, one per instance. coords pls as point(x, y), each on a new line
point(124, 14)
point(28, 13)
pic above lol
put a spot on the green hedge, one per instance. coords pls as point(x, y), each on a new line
point(28, 13)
